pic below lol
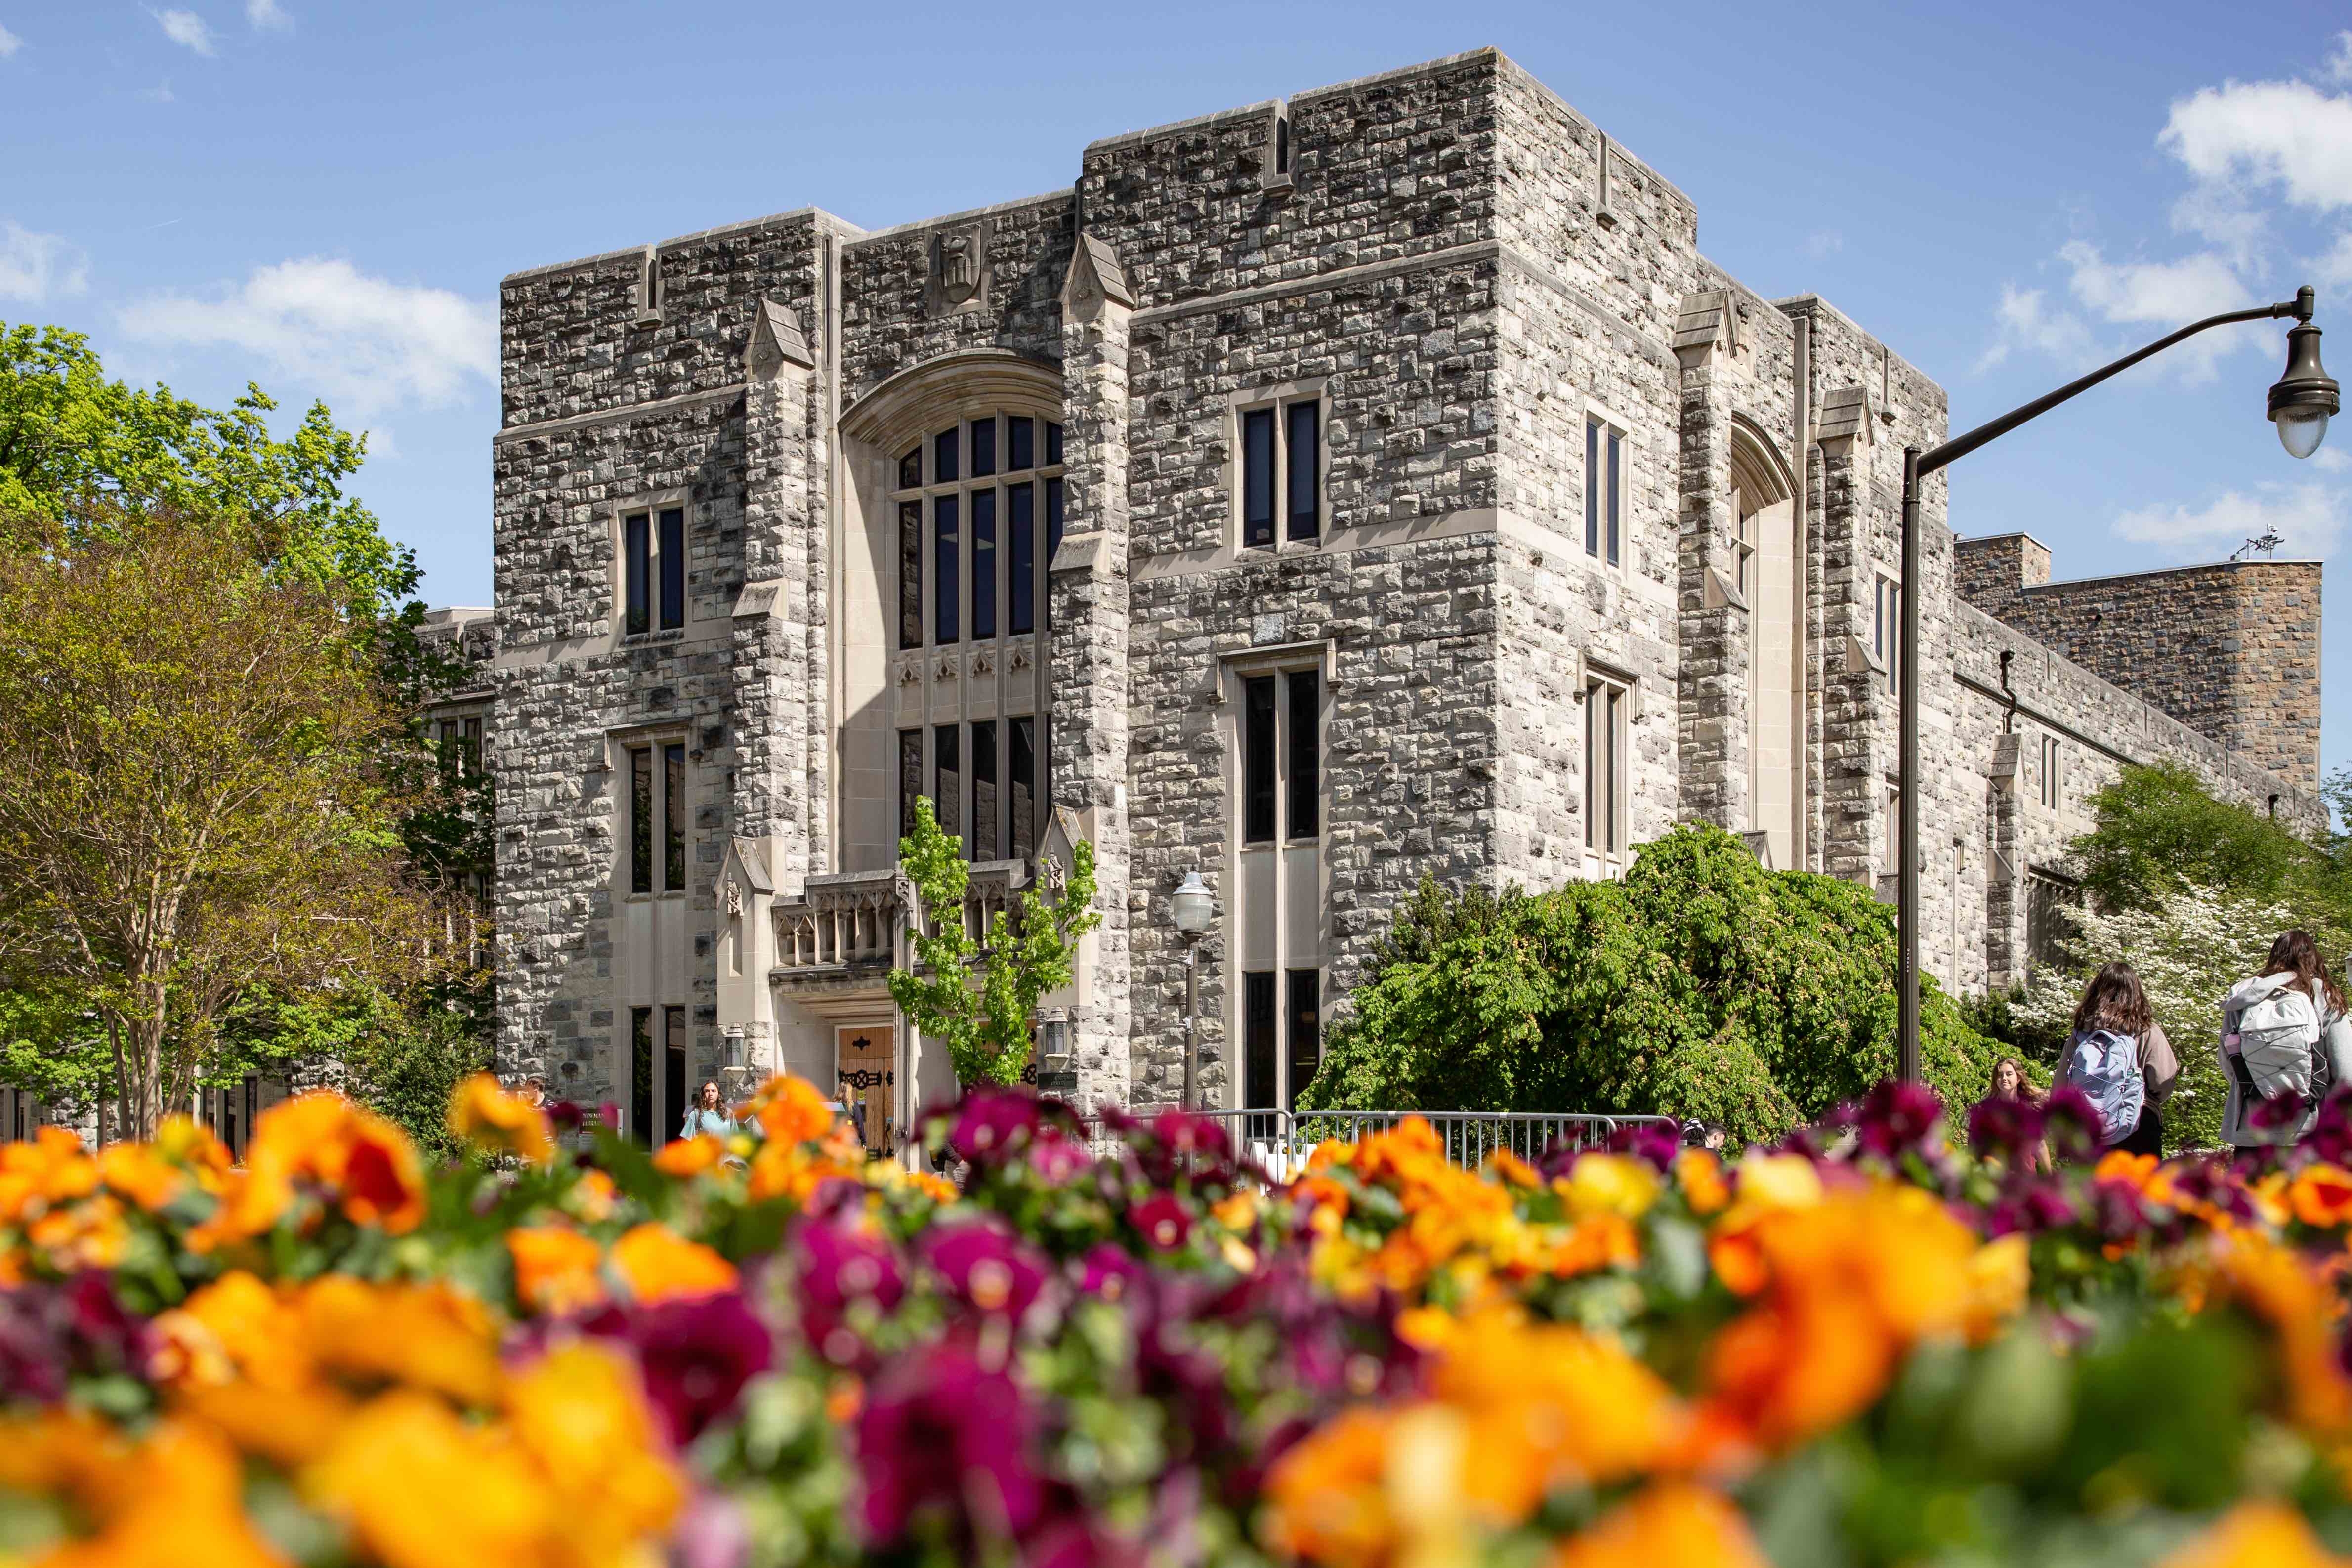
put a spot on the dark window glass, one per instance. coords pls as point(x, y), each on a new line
point(1591, 488)
point(1053, 443)
point(1258, 1086)
point(673, 1066)
point(1257, 759)
point(1020, 444)
point(983, 563)
point(641, 1075)
point(984, 447)
point(1306, 490)
point(986, 826)
point(947, 798)
point(1021, 558)
point(673, 817)
point(1612, 492)
point(943, 457)
point(910, 470)
point(1282, 145)
point(1053, 520)
point(945, 561)
point(1024, 775)
point(910, 778)
point(673, 569)
point(641, 820)
point(1258, 477)
point(1304, 1027)
point(1306, 769)
point(636, 559)
point(446, 752)
point(910, 573)
point(472, 749)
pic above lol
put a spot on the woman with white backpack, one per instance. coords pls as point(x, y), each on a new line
point(2283, 1031)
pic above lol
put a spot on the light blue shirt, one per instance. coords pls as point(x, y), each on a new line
point(717, 1122)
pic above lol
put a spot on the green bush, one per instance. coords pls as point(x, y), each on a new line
point(1701, 985)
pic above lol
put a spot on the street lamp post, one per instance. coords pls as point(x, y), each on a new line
point(2301, 404)
point(1192, 907)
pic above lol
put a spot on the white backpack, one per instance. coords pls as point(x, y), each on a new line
point(2278, 1035)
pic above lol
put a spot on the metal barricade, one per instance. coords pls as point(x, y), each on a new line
point(1279, 1140)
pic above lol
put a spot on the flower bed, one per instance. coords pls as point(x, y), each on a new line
point(1861, 1348)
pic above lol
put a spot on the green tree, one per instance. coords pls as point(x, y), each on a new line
point(1700, 985)
point(986, 1026)
point(2158, 829)
point(193, 815)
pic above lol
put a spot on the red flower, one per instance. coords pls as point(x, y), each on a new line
point(1162, 1221)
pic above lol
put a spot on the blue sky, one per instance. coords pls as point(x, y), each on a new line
point(322, 197)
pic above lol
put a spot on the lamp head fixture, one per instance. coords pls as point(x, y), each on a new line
point(1192, 905)
point(2304, 397)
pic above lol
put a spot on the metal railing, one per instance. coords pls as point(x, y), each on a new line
point(1280, 1141)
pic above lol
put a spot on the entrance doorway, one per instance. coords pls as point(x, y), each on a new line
point(867, 1061)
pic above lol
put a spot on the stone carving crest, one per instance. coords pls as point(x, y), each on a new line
point(947, 671)
point(982, 664)
point(734, 897)
point(911, 675)
point(1057, 880)
point(1020, 659)
point(960, 269)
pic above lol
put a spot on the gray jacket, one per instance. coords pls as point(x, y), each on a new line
point(2335, 1038)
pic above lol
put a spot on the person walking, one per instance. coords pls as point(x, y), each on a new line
point(2160, 1071)
point(710, 1114)
point(2102, 1056)
point(2010, 1082)
point(2284, 1032)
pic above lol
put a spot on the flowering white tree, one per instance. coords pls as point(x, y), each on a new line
point(2190, 947)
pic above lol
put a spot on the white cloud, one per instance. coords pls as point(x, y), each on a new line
point(1824, 243)
point(187, 29)
point(2309, 517)
point(364, 343)
point(2028, 321)
point(2339, 64)
point(266, 14)
point(33, 268)
point(2336, 266)
point(2257, 134)
point(2153, 291)
point(9, 43)
point(158, 94)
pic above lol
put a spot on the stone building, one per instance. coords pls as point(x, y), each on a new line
point(1314, 494)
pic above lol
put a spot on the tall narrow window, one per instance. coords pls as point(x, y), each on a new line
point(1604, 768)
point(1052, 520)
point(1614, 491)
point(1303, 463)
point(1305, 776)
point(446, 753)
point(1020, 444)
point(1023, 782)
point(1592, 486)
point(2050, 777)
point(641, 1076)
point(987, 830)
point(984, 447)
point(1887, 634)
point(674, 816)
point(470, 749)
point(910, 573)
point(1302, 1023)
point(946, 557)
point(1257, 759)
point(641, 820)
point(636, 566)
point(983, 560)
point(945, 471)
point(1053, 444)
point(1020, 557)
point(1258, 477)
point(1259, 1088)
point(1281, 144)
point(910, 470)
point(673, 1109)
point(910, 778)
point(673, 568)
point(947, 793)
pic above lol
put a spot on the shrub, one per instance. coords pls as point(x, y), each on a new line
point(1702, 985)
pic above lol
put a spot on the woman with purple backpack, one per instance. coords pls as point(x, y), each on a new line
point(2120, 1059)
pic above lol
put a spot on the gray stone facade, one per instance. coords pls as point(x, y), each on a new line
point(1461, 288)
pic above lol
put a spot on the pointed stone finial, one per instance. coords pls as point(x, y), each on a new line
point(776, 341)
point(1095, 277)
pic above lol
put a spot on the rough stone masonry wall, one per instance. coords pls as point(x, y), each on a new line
point(2232, 648)
point(579, 439)
point(1335, 281)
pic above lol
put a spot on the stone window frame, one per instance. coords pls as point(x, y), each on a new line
point(2049, 783)
point(616, 515)
point(1279, 661)
point(647, 290)
point(1886, 625)
point(1278, 399)
point(1607, 855)
point(962, 412)
point(1597, 412)
point(618, 744)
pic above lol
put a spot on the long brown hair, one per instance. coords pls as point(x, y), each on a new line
point(2114, 1000)
point(2026, 1092)
point(2295, 954)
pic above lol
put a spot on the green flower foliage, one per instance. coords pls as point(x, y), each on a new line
point(1701, 985)
point(986, 1028)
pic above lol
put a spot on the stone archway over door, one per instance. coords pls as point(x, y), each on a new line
point(1775, 782)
